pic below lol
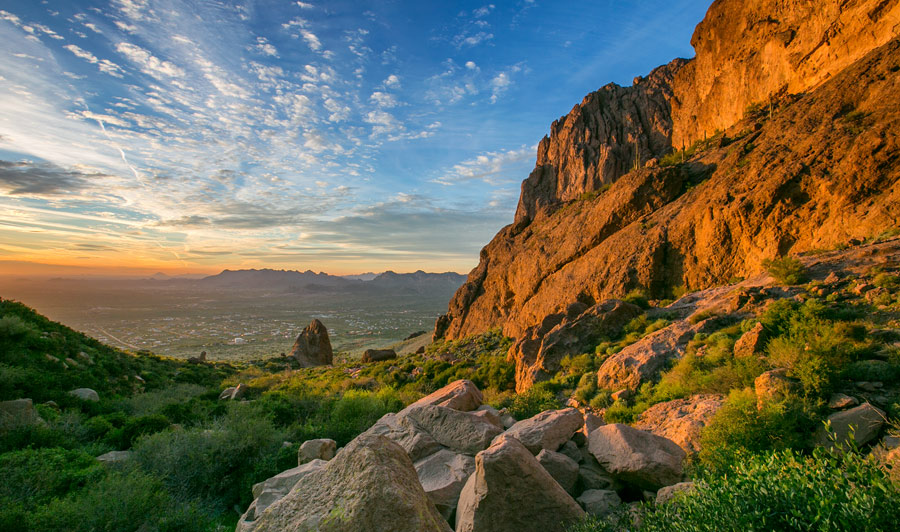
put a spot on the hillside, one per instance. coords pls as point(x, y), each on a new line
point(790, 145)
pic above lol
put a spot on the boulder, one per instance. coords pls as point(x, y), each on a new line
point(643, 360)
point(563, 469)
point(460, 395)
point(378, 355)
point(591, 422)
point(511, 492)
point(463, 432)
point(570, 449)
point(18, 413)
point(667, 493)
point(114, 457)
point(864, 421)
point(443, 475)
point(541, 348)
point(318, 449)
point(681, 420)
point(547, 430)
point(369, 485)
point(751, 342)
point(403, 431)
point(599, 502)
point(271, 490)
point(774, 386)
point(640, 458)
point(85, 394)
point(840, 401)
point(312, 347)
point(490, 414)
point(592, 475)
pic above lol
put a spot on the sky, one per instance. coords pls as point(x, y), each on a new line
point(340, 136)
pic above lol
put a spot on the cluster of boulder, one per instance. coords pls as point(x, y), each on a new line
point(449, 462)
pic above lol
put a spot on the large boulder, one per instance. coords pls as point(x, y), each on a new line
point(18, 413)
point(85, 394)
point(272, 490)
point(860, 424)
point(511, 492)
point(460, 395)
point(369, 485)
point(377, 355)
point(681, 420)
point(312, 347)
point(539, 351)
point(318, 449)
point(640, 458)
point(562, 468)
point(443, 475)
point(547, 430)
point(462, 432)
point(643, 360)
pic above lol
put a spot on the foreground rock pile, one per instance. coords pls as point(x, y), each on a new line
point(447, 462)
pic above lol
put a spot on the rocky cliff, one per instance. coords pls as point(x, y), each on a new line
point(796, 101)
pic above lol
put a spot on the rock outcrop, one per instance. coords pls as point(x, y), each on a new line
point(681, 420)
point(643, 360)
point(511, 492)
point(540, 350)
point(85, 394)
point(811, 167)
point(377, 355)
point(312, 347)
point(370, 485)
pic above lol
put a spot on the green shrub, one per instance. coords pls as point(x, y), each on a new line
point(125, 502)
point(887, 281)
point(587, 388)
point(786, 270)
point(219, 463)
point(783, 490)
point(740, 427)
point(532, 402)
point(638, 297)
point(35, 476)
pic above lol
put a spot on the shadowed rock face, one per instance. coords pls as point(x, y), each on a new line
point(313, 348)
point(818, 170)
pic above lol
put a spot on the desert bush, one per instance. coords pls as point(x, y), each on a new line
point(122, 501)
point(786, 270)
point(346, 417)
point(532, 402)
point(740, 427)
point(219, 463)
point(784, 490)
point(587, 388)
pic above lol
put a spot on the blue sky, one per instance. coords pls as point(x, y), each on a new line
point(342, 136)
